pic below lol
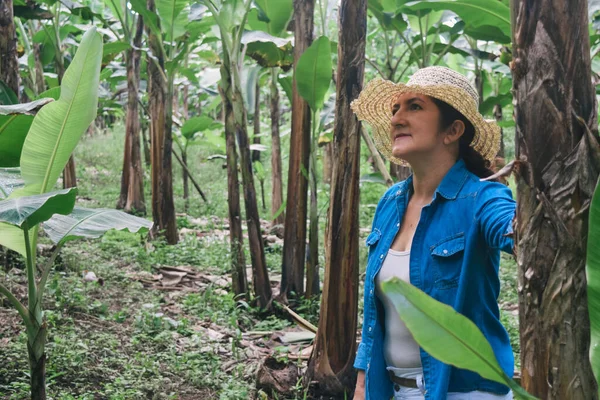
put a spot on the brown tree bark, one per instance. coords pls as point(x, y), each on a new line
point(37, 370)
point(256, 122)
point(69, 174)
point(331, 363)
point(161, 121)
point(132, 178)
point(294, 241)
point(239, 280)
point(557, 145)
point(498, 118)
point(399, 172)
point(9, 63)
point(276, 166)
point(233, 98)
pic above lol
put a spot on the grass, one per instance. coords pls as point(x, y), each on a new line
point(121, 340)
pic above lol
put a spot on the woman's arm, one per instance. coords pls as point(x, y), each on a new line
point(495, 213)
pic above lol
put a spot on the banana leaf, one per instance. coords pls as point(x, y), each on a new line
point(10, 179)
point(31, 210)
point(313, 73)
point(56, 129)
point(592, 269)
point(85, 223)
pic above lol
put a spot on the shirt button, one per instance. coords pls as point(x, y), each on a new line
point(445, 251)
point(381, 257)
point(370, 329)
point(398, 224)
point(371, 291)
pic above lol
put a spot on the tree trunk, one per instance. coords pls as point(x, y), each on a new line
point(312, 263)
point(560, 162)
point(37, 371)
point(145, 143)
point(186, 91)
point(186, 186)
point(276, 168)
point(399, 172)
point(132, 178)
point(69, 174)
point(239, 280)
point(161, 121)
point(256, 122)
point(9, 63)
point(498, 118)
point(331, 363)
point(233, 99)
point(294, 241)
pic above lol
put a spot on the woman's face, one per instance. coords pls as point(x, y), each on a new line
point(415, 127)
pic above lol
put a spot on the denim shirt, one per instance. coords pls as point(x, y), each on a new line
point(455, 255)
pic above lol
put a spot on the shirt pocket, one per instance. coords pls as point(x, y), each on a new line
point(447, 257)
point(372, 240)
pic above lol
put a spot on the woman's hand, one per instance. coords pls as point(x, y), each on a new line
point(359, 391)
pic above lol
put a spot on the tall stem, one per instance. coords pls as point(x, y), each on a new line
point(32, 290)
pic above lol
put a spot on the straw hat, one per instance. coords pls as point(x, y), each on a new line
point(374, 105)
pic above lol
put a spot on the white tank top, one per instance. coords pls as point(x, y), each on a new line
point(399, 347)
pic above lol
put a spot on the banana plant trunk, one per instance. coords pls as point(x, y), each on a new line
point(331, 363)
point(557, 146)
point(186, 184)
point(239, 280)
point(160, 109)
point(37, 364)
point(256, 122)
point(276, 166)
point(233, 99)
point(294, 239)
point(9, 63)
point(312, 263)
point(132, 178)
point(498, 117)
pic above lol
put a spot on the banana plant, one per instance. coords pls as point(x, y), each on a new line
point(313, 78)
point(28, 200)
point(592, 268)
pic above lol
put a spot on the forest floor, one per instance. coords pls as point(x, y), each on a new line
point(157, 321)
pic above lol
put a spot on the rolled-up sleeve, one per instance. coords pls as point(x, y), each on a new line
point(360, 362)
point(495, 214)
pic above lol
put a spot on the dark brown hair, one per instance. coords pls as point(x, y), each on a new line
point(473, 160)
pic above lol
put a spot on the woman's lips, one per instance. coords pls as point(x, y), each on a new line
point(401, 135)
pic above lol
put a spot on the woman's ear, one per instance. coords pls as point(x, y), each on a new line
point(454, 132)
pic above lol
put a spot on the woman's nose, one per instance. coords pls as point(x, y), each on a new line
point(398, 119)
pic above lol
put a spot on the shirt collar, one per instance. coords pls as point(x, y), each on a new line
point(453, 181)
point(450, 185)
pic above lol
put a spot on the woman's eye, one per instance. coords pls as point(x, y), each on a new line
point(415, 106)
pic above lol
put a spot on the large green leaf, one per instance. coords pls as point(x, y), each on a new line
point(85, 223)
point(13, 131)
point(313, 73)
point(274, 14)
point(173, 17)
point(150, 17)
point(57, 127)
point(475, 13)
point(37, 208)
point(445, 334)
point(7, 96)
point(387, 16)
point(267, 50)
point(592, 269)
point(10, 179)
point(197, 124)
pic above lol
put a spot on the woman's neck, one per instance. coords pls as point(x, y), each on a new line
point(427, 178)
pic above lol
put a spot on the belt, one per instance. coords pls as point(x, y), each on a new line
point(406, 382)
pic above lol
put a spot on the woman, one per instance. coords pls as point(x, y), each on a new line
point(442, 230)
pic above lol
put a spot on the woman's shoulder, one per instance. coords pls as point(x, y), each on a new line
point(485, 191)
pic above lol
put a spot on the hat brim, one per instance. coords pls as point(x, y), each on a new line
point(374, 106)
